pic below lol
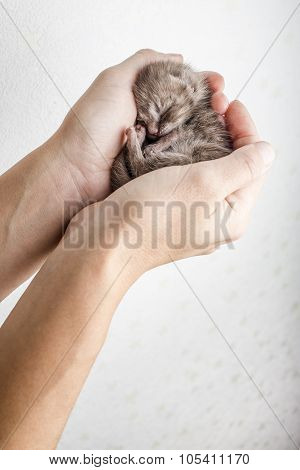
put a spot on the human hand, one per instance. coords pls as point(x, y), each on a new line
point(193, 208)
point(93, 132)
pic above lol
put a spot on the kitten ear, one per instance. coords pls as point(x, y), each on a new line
point(184, 82)
point(176, 80)
point(194, 83)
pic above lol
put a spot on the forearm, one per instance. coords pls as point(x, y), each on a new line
point(32, 212)
point(51, 340)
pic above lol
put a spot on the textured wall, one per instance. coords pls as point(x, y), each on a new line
point(167, 377)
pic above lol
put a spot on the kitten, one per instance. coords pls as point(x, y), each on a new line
point(175, 123)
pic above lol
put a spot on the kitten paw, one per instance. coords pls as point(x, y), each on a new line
point(131, 136)
point(150, 151)
point(130, 132)
point(140, 132)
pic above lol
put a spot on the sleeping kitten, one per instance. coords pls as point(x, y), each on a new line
point(175, 123)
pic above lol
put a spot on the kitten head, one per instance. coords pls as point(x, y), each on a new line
point(166, 96)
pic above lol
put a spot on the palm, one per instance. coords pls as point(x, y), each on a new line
point(94, 130)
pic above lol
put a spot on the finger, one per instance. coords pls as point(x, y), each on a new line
point(216, 83)
point(240, 125)
point(243, 132)
point(244, 199)
point(215, 80)
point(219, 102)
point(146, 56)
point(242, 167)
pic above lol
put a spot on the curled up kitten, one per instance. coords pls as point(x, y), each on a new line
point(175, 123)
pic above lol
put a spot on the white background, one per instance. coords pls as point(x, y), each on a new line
point(166, 378)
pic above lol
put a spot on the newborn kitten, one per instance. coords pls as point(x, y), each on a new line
point(175, 123)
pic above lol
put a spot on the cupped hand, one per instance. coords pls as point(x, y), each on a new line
point(93, 132)
point(182, 211)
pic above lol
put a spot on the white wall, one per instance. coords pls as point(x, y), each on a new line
point(166, 377)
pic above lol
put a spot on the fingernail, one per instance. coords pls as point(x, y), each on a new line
point(266, 151)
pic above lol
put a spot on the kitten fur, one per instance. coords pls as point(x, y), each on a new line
point(175, 123)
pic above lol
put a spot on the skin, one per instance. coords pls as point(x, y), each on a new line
point(73, 165)
point(52, 337)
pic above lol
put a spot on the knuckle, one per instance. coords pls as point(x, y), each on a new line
point(250, 162)
point(108, 72)
point(146, 52)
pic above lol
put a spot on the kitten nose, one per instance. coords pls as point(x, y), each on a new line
point(152, 128)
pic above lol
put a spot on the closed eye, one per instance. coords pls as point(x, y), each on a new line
point(165, 113)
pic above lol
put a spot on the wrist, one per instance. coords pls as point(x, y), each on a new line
point(98, 239)
point(89, 168)
point(65, 181)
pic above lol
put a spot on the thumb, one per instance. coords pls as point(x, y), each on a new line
point(243, 166)
point(145, 56)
